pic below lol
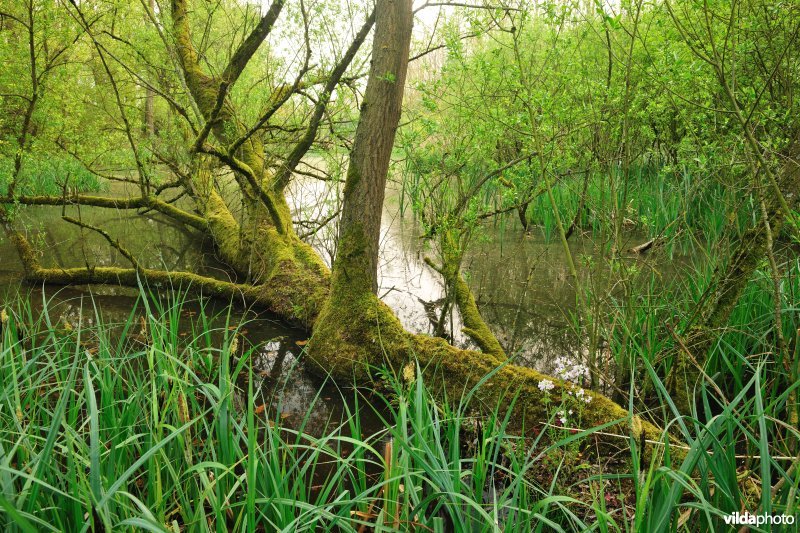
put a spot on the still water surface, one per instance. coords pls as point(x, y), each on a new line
point(521, 283)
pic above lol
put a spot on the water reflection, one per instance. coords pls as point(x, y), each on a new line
point(521, 283)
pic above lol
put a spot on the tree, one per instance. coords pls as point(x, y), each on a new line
point(747, 49)
point(224, 143)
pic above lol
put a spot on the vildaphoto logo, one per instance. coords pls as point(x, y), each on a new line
point(747, 519)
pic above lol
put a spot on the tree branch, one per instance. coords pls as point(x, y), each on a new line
point(249, 46)
point(113, 203)
point(300, 149)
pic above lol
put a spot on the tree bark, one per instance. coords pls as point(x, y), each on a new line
point(730, 281)
point(359, 228)
point(354, 324)
point(356, 331)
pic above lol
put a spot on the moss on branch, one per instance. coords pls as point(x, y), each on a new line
point(357, 332)
point(141, 202)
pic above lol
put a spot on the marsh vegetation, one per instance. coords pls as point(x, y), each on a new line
point(320, 265)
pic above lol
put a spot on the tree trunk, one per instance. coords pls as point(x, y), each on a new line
point(355, 330)
point(264, 249)
point(354, 325)
point(729, 283)
point(474, 326)
point(357, 258)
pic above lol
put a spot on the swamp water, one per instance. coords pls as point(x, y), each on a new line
point(520, 282)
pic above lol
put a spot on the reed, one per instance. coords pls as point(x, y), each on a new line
point(159, 423)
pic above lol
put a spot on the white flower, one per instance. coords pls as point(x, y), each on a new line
point(570, 371)
point(546, 385)
point(562, 418)
point(580, 394)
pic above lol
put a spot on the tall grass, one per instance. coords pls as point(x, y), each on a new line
point(133, 425)
point(741, 444)
point(159, 423)
point(51, 175)
point(675, 207)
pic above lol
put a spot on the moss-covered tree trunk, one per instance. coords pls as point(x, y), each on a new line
point(352, 328)
point(729, 283)
point(264, 247)
point(451, 243)
point(355, 326)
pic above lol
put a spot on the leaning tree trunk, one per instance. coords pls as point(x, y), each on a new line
point(356, 330)
point(264, 248)
point(729, 283)
point(458, 291)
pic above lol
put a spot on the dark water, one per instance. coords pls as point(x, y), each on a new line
point(520, 282)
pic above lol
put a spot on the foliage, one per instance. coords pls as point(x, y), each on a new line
point(669, 125)
point(134, 425)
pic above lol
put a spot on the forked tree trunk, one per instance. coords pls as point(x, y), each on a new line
point(356, 330)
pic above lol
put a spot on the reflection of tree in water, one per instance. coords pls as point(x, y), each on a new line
point(157, 240)
point(526, 296)
point(298, 399)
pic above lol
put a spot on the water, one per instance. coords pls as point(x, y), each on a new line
point(521, 283)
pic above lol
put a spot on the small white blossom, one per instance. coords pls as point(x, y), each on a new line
point(562, 418)
point(570, 371)
point(546, 385)
point(580, 394)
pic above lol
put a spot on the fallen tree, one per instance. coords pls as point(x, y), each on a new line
point(356, 331)
point(353, 330)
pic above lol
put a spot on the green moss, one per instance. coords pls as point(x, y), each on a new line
point(225, 231)
point(474, 325)
point(353, 331)
point(455, 371)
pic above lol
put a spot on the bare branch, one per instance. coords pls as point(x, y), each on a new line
point(300, 149)
point(111, 240)
point(320, 224)
point(249, 46)
point(464, 5)
point(143, 178)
